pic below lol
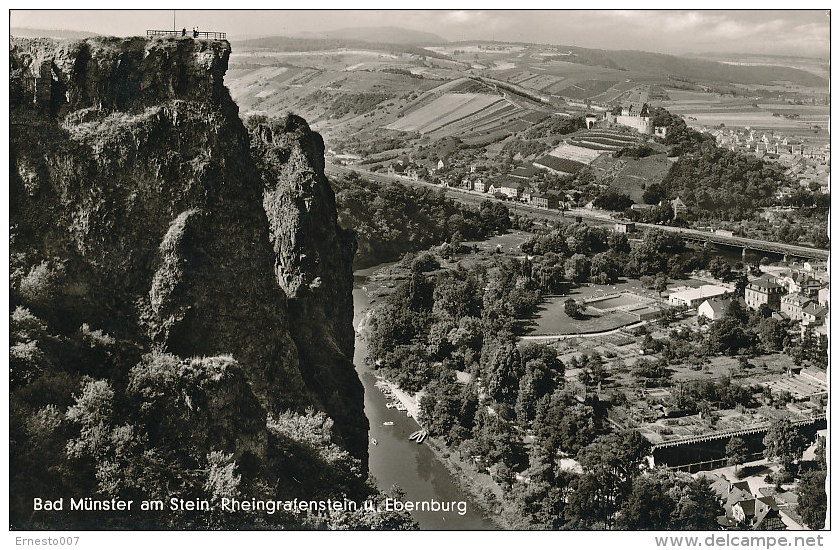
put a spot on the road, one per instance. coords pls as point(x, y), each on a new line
point(474, 198)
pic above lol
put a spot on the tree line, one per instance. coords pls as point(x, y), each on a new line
point(390, 219)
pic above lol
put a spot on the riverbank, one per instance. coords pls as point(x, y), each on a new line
point(412, 404)
point(486, 493)
point(418, 470)
point(483, 493)
point(480, 487)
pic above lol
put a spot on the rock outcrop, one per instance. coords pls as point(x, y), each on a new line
point(175, 229)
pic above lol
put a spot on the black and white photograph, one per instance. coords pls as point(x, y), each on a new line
point(420, 270)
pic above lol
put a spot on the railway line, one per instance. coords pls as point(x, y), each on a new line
point(691, 235)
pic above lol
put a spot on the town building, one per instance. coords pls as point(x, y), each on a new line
point(742, 509)
point(813, 314)
point(758, 514)
point(479, 186)
point(542, 200)
point(714, 309)
point(793, 304)
point(764, 290)
point(624, 226)
point(509, 188)
point(693, 297)
point(822, 296)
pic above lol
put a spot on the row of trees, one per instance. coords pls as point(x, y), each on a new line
point(577, 252)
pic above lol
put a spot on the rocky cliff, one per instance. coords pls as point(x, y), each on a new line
point(142, 210)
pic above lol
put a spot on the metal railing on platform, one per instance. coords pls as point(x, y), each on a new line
point(190, 34)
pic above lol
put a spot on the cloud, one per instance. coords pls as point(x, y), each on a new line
point(676, 31)
point(796, 33)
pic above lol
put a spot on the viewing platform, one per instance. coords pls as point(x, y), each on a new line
point(190, 34)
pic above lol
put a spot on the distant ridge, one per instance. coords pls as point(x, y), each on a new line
point(385, 35)
point(25, 32)
point(682, 67)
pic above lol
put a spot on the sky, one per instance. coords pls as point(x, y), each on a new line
point(800, 33)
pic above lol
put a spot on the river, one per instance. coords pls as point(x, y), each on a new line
point(395, 459)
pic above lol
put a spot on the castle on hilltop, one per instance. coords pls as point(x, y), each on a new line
point(635, 116)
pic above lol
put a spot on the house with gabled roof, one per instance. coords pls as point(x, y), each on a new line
point(509, 188)
point(715, 309)
point(759, 514)
point(813, 314)
point(793, 304)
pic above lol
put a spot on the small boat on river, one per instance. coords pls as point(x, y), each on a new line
point(415, 435)
point(387, 423)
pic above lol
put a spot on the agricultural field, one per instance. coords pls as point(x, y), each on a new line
point(378, 101)
point(632, 176)
point(558, 164)
point(463, 115)
point(701, 109)
point(586, 146)
point(447, 109)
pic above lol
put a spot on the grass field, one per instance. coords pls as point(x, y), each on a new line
point(552, 319)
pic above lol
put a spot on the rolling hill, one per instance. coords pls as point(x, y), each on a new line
point(384, 35)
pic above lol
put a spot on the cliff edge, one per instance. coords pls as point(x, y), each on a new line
point(157, 246)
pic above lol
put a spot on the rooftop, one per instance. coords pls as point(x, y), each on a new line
point(705, 291)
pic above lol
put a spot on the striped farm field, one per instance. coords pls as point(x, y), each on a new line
point(593, 144)
point(584, 155)
point(451, 108)
point(624, 138)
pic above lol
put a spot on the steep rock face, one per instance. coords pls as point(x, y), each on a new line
point(314, 258)
point(131, 169)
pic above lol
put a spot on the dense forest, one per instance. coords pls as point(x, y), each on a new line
point(723, 184)
point(391, 219)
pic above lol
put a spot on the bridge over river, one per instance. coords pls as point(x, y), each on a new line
point(694, 235)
